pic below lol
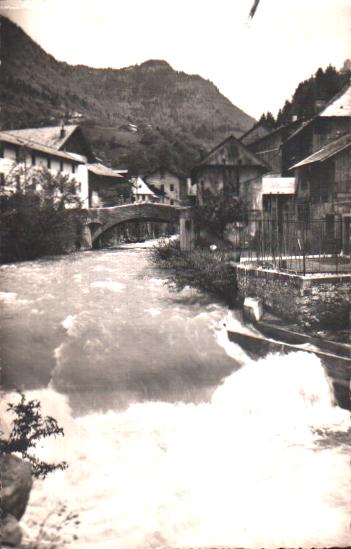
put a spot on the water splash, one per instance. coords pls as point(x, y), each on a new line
point(243, 470)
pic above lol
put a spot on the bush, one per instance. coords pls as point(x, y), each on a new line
point(218, 211)
point(40, 215)
point(29, 426)
point(203, 269)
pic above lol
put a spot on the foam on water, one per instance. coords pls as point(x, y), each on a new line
point(10, 298)
point(243, 470)
point(108, 285)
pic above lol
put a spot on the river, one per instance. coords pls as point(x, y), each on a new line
point(173, 435)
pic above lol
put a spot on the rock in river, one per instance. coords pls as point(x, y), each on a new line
point(16, 484)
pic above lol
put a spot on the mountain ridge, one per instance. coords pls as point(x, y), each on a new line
point(139, 116)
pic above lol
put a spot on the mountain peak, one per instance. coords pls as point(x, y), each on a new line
point(155, 64)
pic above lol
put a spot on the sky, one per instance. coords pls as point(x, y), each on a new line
point(257, 64)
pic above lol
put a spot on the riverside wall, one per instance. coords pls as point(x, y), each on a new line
point(321, 300)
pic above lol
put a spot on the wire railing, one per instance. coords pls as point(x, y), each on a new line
point(316, 246)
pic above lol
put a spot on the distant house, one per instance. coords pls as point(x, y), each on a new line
point(142, 192)
point(257, 131)
point(231, 167)
point(61, 149)
point(324, 190)
point(332, 120)
point(268, 146)
point(171, 185)
point(107, 187)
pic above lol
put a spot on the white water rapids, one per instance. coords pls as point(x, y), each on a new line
point(174, 436)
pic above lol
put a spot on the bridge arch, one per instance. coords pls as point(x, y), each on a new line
point(100, 220)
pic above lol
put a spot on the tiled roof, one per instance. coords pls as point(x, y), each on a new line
point(338, 106)
point(100, 169)
point(49, 136)
point(328, 151)
point(15, 139)
point(253, 134)
point(232, 152)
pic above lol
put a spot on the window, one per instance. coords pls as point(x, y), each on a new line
point(33, 159)
point(330, 225)
point(172, 202)
point(2, 180)
point(73, 168)
point(1, 150)
point(303, 213)
point(61, 166)
point(171, 187)
point(49, 163)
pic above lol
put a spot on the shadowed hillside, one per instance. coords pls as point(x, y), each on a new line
point(140, 116)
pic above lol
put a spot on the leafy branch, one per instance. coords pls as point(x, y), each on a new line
point(30, 426)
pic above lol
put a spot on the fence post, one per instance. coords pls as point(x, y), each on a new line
point(304, 248)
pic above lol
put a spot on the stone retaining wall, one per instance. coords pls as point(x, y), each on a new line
point(312, 300)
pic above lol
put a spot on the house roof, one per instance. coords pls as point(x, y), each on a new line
point(50, 136)
point(278, 185)
point(100, 169)
point(165, 169)
point(340, 104)
point(140, 187)
point(328, 151)
point(257, 131)
point(281, 129)
point(15, 139)
point(337, 106)
point(231, 152)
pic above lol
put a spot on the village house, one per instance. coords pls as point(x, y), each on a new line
point(255, 133)
point(284, 147)
point(142, 192)
point(324, 193)
point(233, 168)
point(62, 149)
point(171, 185)
point(332, 120)
point(268, 146)
point(278, 189)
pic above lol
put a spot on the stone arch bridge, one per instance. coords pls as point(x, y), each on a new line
point(100, 220)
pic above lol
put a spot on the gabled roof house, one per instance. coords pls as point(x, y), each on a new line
point(59, 148)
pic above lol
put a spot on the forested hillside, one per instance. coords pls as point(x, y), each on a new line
point(322, 86)
point(139, 116)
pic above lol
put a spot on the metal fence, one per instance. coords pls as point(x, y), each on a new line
point(298, 247)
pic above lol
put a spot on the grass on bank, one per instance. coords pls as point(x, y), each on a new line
point(204, 269)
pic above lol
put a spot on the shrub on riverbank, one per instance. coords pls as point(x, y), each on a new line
point(203, 269)
point(39, 215)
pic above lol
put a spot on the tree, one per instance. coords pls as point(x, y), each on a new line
point(268, 120)
point(29, 426)
point(218, 211)
point(40, 214)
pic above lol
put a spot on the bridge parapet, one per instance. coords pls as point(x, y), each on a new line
point(99, 220)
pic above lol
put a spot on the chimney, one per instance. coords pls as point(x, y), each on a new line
point(62, 130)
